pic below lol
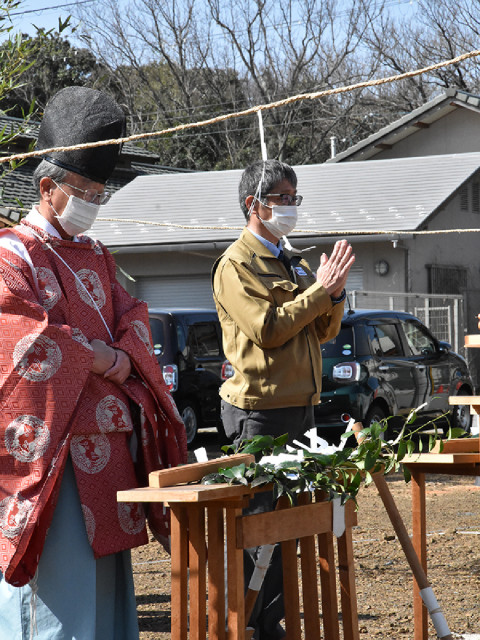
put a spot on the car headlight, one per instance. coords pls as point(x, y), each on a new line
point(346, 372)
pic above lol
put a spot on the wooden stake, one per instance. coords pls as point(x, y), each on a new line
point(426, 592)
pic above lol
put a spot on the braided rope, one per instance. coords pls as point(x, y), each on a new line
point(322, 232)
point(250, 111)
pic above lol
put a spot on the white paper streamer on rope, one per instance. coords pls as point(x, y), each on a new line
point(263, 146)
point(338, 512)
point(435, 611)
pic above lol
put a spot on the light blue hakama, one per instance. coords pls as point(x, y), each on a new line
point(78, 597)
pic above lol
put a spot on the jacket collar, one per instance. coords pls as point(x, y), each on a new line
point(255, 245)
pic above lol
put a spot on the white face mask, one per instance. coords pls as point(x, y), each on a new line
point(78, 215)
point(283, 220)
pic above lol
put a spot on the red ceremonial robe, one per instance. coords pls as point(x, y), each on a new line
point(51, 405)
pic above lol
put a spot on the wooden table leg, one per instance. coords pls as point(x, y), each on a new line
point(235, 582)
point(347, 586)
point(197, 564)
point(328, 581)
point(216, 574)
point(290, 590)
point(419, 540)
point(308, 560)
point(179, 560)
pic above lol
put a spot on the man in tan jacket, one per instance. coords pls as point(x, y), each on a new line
point(274, 313)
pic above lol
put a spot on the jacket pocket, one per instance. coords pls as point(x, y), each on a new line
point(280, 289)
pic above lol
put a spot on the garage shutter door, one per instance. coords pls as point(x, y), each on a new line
point(176, 291)
point(195, 290)
point(355, 279)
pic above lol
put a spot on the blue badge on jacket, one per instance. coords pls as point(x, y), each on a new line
point(300, 271)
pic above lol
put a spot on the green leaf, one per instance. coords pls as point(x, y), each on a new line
point(457, 432)
point(228, 449)
point(376, 429)
point(370, 460)
point(402, 450)
point(356, 481)
point(389, 465)
point(261, 480)
point(238, 471)
point(281, 441)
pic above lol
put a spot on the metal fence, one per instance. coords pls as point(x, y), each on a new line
point(442, 314)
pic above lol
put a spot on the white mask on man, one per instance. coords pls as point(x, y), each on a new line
point(78, 215)
point(283, 220)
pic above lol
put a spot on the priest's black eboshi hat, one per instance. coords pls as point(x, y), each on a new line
point(76, 115)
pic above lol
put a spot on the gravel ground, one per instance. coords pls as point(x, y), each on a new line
point(383, 577)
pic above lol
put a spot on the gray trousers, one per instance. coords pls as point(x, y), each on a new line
point(240, 424)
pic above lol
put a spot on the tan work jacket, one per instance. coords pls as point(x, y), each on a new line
point(272, 327)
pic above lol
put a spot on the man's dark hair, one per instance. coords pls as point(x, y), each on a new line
point(274, 172)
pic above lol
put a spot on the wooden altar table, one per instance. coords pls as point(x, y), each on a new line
point(206, 519)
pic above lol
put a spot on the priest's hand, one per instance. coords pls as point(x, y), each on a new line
point(104, 356)
point(121, 369)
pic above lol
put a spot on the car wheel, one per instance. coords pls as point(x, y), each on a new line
point(374, 414)
point(189, 415)
point(461, 417)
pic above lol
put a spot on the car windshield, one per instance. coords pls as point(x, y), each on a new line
point(340, 346)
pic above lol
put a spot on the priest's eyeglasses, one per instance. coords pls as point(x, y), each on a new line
point(91, 195)
point(285, 198)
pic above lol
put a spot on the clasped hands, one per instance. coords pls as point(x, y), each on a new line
point(333, 271)
point(113, 364)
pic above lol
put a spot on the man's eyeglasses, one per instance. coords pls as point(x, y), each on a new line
point(91, 195)
point(285, 198)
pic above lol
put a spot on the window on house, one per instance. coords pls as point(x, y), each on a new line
point(446, 279)
point(476, 197)
point(464, 198)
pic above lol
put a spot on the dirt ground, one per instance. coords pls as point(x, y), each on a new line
point(383, 577)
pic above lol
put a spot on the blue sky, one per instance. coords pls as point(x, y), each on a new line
point(42, 13)
point(45, 13)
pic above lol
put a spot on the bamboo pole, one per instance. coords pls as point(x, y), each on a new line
point(426, 591)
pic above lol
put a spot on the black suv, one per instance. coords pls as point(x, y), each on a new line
point(188, 346)
point(386, 363)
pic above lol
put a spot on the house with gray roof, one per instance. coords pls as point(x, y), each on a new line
point(449, 123)
point(166, 231)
